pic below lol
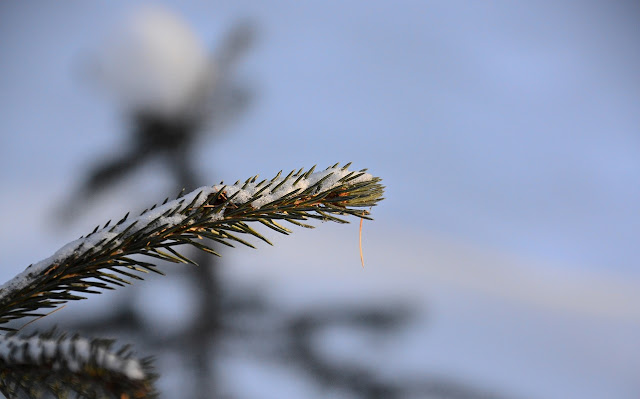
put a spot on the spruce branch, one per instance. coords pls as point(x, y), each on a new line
point(109, 256)
point(54, 364)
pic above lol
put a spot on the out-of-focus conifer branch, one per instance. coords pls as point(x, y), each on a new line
point(48, 364)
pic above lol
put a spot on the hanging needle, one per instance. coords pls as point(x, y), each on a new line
point(361, 256)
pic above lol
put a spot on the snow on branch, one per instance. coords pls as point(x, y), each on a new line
point(221, 213)
point(50, 363)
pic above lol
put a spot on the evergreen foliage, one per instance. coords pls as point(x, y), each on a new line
point(68, 367)
point(114, 255)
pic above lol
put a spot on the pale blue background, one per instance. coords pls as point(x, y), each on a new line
point(512, 127)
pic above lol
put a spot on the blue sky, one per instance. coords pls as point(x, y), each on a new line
point(503, 128)
point(510, 126)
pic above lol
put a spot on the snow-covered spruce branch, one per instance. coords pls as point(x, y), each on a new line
point(54, 364)
point(106, 257)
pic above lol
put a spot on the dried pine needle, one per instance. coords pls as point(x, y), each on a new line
point(361, 256)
